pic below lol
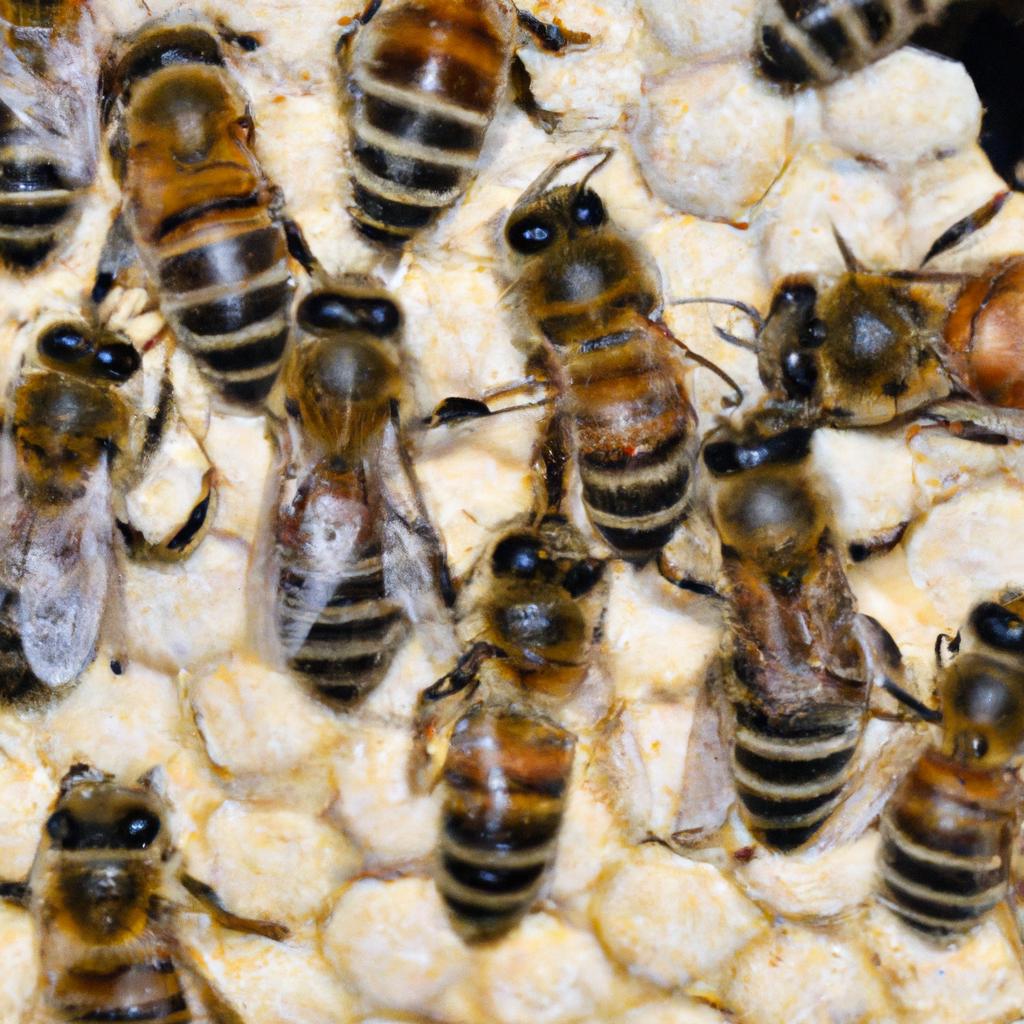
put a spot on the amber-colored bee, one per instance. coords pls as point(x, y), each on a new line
point(357, 557)
point(867, 347)
point(48, 125)
point(507, 767)
point(949, 829)
point(591, 296)
point(72, 439)
point(198, 208)
point(102, 897)
point(799, 662)
point(425, 78)
point(819, 41)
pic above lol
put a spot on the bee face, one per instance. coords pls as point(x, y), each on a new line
point(857, 353)
point(344, 377)
point(106, 844)
point(76, 348)
point(554, 220)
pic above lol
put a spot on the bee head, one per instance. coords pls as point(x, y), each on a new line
point(86, 351)
point(983, 709)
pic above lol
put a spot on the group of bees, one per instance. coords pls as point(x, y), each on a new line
point(355, 560)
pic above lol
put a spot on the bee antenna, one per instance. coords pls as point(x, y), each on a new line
point(927, 714)
point(743, 307)
point(852, 264)
point(974, 221)
point(540, 184)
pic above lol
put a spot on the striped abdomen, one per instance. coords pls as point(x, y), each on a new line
point(633, 424)
point(790, 771)
point(344, 646)
point(226, 289)
point(148, 991)
point(505, 780)
point(36, 13)
point(804, 41)
point(38, 202)
point(945, 854)
point(426, 77)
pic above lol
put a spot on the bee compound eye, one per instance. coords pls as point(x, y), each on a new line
point(381, 317)
point(519, 555)
point(138, 829)
point(799, 374)
point(65, 343)
point(530, 235)
point(118, 361)
point(588, 210)
point(998, 626)
point(61, 829)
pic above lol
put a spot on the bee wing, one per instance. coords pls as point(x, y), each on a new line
point(58, 103)
point(330, 531)
point(708, 791)
point(415, 565)
point(62, 580)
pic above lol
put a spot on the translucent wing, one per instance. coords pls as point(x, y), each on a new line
point(415, 566)
point(62, 576)
point(55, 98)
point(708, 791)
point(320, 538)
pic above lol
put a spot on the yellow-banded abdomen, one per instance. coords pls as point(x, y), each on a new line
point(791, 771)
point(346, 627)
point(505, 781)
point(426, 77)
point(114, 990)
point(947, 834)
point(42, 176)
point(801, 41)
point(200, 209)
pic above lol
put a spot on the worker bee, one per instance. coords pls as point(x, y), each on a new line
point(198, 209)
point(949, 829)
point(799, 662)
point(48, 125)
point(508, 762)
point(592, 296)
point(72, 438)
point(804, 42)
point(425, 79)
point(101, 894)
point(867, 347)
point(357, 557)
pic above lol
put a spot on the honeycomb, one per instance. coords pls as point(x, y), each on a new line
point(303, 815)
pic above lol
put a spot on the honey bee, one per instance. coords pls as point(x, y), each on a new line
point(508, 763)
point(48, 125)
point(425, 79)
point(71, 440)
point(804, 42)
point(101, 894)
point(357, 556)
point(868, 347)
point(592, 296)
point(800, 662)
point(948, 830)
point(198, 209)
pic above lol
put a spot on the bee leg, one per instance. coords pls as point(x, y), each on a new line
point(349, 30)
point(247, 41)
point(298, 247)
point(966, 227)
point(692, 558)
point(118, 253)
point(881, 544)
point(975, 421)
point(522, 96)
point(548, 35)
point(18, 894)
point(551, 463)
point(216, 1006)
point(212, 904)
point(436, 712)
